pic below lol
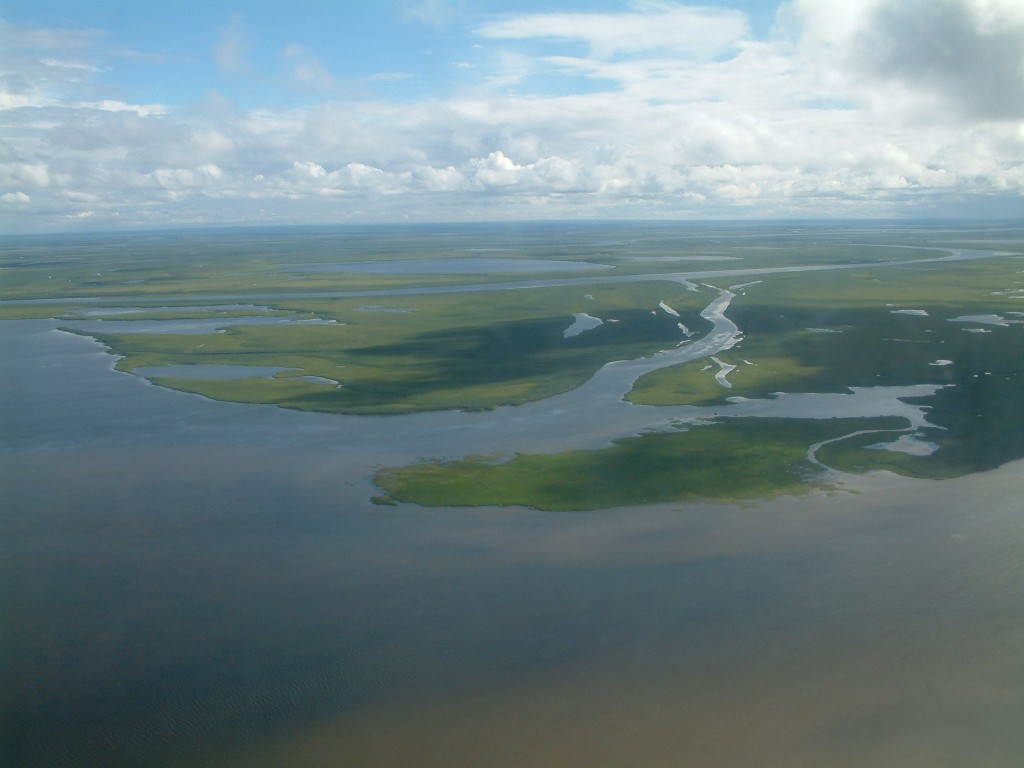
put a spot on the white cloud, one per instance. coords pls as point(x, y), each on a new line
point(16, 100)
point(800, 123)
point(25, 175)
point(307, 177)
point(430, 179)
point(112, 105)
point(195, 178)
point(305, 68)
point(40, 66)
point(946, 59)
point(549, 174)
point(52, 67)
point(949, 49)
point(690, 30)
point(72, 66)
point(233, 47)
point(69, 41)
point(432, 12)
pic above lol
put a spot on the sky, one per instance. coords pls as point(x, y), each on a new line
point(119, 115)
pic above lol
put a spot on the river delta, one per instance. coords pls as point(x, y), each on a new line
point(200, 576)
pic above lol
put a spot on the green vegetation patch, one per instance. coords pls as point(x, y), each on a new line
point(814, 331)
point(863, 453)
point(197, 264)
point(730, 460)
point(251, 390)
point(429, 352)
point(827, 331)
point(31, 311)
point(694, 383)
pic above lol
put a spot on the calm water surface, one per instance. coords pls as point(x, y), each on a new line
point(196, 583)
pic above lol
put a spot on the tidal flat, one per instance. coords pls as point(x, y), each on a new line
point(194, 578)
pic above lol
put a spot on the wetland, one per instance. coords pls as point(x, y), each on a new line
point(271, 495)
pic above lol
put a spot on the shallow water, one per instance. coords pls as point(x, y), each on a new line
point(187, 582)
point(582, 322)
point(237, 606)
point(128, 311)
point(196, 326)
point(464, 266)
point(127, 409)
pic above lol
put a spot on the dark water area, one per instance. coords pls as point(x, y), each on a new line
point(187, 582)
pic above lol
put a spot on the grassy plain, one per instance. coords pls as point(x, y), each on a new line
point(730, 460)
point(416, 350)
point(434, 352)
point(826, 332)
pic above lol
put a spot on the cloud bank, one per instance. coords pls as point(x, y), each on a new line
point(875, 108)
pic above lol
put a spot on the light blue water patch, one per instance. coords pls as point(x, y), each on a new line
point(703, 257)
point(983, 319)
point(468, 266)
point(909, 444)
point(129, 311)
point(582, 322)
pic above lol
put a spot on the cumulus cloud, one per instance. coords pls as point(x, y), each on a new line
point(960, 59)
point(692, 30)
point(354, 178)
point(549, 174)
point(187, 178)
point(866, 108)
point(25, 175)
point(951, 49)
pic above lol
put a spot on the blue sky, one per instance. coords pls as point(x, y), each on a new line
point(118, 114)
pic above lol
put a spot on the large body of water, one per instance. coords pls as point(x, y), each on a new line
point(187, 582)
